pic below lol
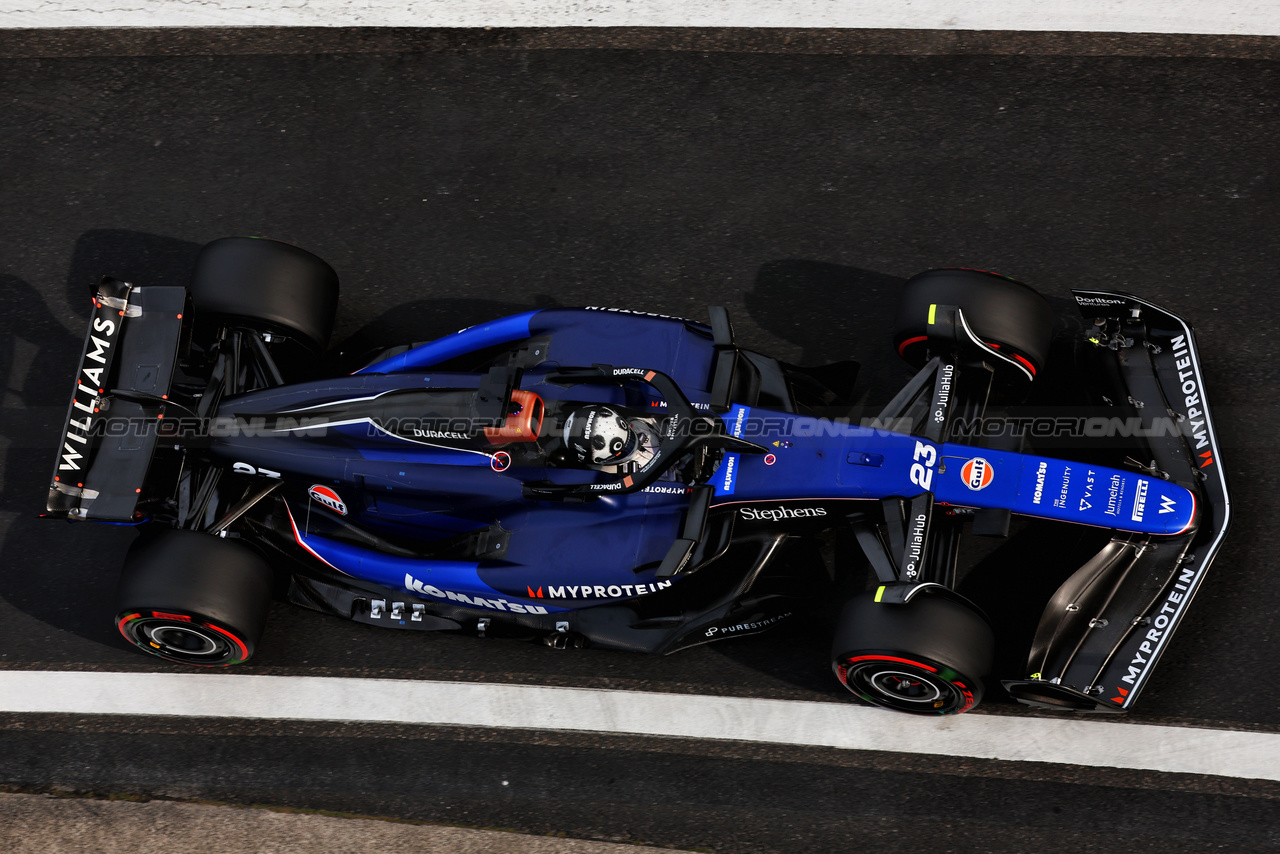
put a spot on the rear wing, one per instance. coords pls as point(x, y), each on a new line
point(119, 396)
point(1104, 630)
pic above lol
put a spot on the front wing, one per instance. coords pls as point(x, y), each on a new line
point(1106, 627)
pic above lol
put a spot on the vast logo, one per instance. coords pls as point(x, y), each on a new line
point(977, 473)
point(328, 498)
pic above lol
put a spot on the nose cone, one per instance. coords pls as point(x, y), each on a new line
point(1065, 490)
point(1160, 507)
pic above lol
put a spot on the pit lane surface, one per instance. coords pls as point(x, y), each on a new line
point(448, 186)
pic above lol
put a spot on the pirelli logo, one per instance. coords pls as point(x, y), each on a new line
point(1140, 501)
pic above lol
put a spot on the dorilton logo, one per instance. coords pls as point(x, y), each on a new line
point(326, 496)
point(1140, 501)
point(1098, 301)
point(756, 514)
point(977, 474)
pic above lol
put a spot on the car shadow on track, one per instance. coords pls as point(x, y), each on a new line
point(833, 312)
point(1010, 580)
point(63, 575)
point(57, 576)
point(60, 575)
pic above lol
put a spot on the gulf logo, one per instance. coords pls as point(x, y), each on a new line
point(977, 473)
point(328, 498)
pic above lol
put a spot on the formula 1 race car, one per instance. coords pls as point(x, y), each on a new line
point(634, 481)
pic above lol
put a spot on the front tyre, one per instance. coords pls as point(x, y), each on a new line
point(1005, 314)
point(191, 598)
point(926, 657)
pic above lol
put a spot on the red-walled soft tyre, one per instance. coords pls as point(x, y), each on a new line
point(193, 599)
point(926, 657)
point(1001, 311)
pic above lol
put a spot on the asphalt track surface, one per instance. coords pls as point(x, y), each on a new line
point(451, 185)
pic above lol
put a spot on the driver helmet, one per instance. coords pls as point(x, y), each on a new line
point(599, 435)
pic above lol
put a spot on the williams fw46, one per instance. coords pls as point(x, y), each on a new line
point(640, 482)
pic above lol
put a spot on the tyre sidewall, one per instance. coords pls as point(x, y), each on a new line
point(273, 285)
point(931, 631)
point(999, 310)
point(208, 580)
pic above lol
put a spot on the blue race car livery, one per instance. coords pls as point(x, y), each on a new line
point(634, 481)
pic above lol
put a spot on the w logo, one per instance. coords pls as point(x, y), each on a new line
point(1167, 504)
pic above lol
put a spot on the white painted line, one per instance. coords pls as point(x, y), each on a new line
point(1228, 17)
point(847, 727)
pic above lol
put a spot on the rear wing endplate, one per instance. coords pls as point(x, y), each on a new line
point(117, 400)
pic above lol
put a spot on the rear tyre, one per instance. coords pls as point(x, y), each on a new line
point(1000, 311)
point(275, 286)
point(926, 657)
point(194, 599)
